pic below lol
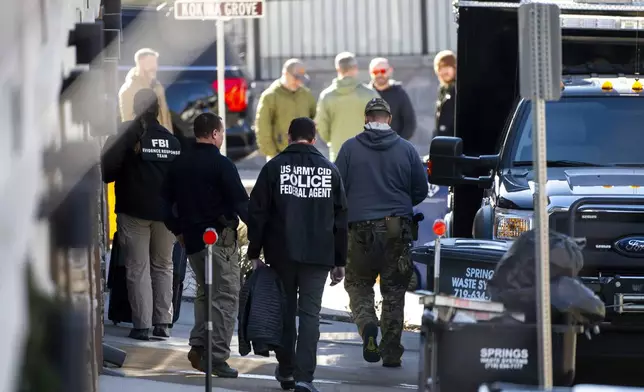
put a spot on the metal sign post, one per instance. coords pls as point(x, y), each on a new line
point(221, 78)
point(439, 229)
point(220, 11)
point(210, 238)
point(540, 80)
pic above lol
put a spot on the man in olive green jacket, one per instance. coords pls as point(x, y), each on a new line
point(287, 98)
point(340, 112)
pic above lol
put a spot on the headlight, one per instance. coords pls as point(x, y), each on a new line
point(509, 224)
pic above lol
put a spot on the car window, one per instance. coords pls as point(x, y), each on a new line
point(179, 42)
point(598, 130)
point(180, 95)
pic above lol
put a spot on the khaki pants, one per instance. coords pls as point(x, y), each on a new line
point(148, 260)
point(225, 299)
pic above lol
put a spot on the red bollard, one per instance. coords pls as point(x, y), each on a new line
point(210, 238)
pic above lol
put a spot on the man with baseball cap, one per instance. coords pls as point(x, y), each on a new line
point(298, 217)
point(285, 99)
point(384, 179)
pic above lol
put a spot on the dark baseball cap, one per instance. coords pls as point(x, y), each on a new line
point(295, 68)
point(377, 105)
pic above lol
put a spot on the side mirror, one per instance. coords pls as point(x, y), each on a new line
point(447, 162)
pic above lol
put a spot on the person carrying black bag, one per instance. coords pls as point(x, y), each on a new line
point(137, 160)
point(298, 216)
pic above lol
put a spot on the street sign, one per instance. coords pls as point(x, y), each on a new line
point(540, 51)
point(540, 80)
point(212, 10)
point(220, 11)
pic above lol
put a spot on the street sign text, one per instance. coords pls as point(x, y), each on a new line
point(205, 10)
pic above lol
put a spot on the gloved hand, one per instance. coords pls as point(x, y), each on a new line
point(337, 274)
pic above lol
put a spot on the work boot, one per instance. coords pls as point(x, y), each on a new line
point(286, 382)
point(223, 370)
point(140, 333)
point(302, 386)
point(370, 351)
point(195, 356)
point(161, 331)
point(391, 364)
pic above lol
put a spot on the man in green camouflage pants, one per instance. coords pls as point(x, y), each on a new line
point(371, 253)
point(384, 179)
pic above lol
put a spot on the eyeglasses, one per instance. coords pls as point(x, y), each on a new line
point(380, 71)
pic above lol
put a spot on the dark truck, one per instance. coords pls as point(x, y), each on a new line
point(595, 151)
point(187, 69)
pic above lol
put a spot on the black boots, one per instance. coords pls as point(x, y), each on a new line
point(161, 331)
point(140, 334)
point(197, 358)
point(370, 351)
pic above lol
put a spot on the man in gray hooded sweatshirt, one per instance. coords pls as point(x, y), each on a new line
point(384, 179)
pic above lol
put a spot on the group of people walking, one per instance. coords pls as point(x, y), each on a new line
point(309, 218)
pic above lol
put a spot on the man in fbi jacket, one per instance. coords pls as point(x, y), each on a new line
point(298, 217)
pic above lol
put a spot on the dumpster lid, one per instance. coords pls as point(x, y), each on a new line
point(430, 299)
point(473, 243)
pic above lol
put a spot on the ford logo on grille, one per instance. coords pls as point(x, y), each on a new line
point(630, 246)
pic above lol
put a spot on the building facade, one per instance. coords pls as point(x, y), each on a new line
point(41, 142)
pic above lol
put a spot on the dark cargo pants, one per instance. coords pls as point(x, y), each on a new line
point(372, 253)
point(225, 299)
point(298, 357)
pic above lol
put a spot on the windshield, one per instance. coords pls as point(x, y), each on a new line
point(589, 130)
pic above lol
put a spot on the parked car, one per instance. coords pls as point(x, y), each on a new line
point(187, 69)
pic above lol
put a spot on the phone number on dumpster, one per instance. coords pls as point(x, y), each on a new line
point(474, 294)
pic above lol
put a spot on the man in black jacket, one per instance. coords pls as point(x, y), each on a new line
point(205, 191)
point(137, 159)
point(445, 68)
point(403, 116)
point(298, 216)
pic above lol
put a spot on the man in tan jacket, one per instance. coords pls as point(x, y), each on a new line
point(143, 75)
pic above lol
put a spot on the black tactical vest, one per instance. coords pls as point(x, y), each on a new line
point(159, 145)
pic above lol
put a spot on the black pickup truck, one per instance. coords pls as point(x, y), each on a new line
point(595, 156)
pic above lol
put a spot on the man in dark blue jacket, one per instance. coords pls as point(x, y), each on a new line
point(297, 215)
point(384, 179)
point(205, 189)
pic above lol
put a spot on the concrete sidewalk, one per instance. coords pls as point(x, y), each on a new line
point(127, 384)
point(341, 367)
point(335, 302)
point(331, 332)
